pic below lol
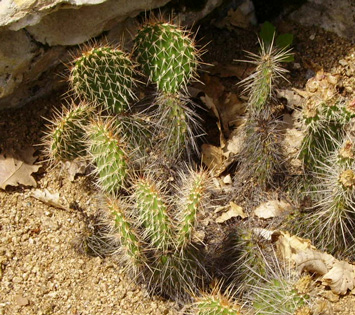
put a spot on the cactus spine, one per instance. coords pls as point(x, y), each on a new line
point(104, 76)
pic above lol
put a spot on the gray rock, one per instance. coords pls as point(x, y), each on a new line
point(35, 35)
point(334, 16)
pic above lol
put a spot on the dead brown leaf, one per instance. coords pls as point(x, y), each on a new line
point(233, 212)
point(338, 275)
point(51, 199)
point(213, 158)
point(272, 208)
point(16, 168)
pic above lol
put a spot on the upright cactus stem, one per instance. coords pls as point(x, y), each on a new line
point(64, 140)
point(104, 76)
point(191, 201)
point(332, 221)
point(153, 214)
point(131, 247)
point(108, 153)
point(167, 55)
point(260, 83)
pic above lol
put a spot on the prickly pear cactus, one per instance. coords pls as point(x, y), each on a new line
point(105, 77)
point(167, 55)
point(107, 151)
point(64, 140)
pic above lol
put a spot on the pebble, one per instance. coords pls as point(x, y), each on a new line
point(21, 301)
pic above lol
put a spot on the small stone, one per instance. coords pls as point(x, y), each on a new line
point(21, 301)
point(343, 62)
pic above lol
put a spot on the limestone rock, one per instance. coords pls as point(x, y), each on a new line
point(334, 16)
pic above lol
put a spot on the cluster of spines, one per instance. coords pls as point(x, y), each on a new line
point(261, 156)
point(215, 303)
point(107, 151)
point(104, 76)
point(278, 296)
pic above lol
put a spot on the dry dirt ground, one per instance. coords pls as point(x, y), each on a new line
point(41, 269)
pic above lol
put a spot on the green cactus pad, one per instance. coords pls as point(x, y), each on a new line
point(131, 248)
point(153, 215)
point(107, 154)
point(65, 139)
point(105, 77)
point(191, 201)
point(167, 55)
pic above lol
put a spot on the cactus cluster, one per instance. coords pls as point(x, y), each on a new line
point(149, 221)
point(155, 233)
point(103, 79)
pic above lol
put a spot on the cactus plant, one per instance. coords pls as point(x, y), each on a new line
point(107, 150)
point(325, 116)
point(151, 234)
point(64, 140)
point(169, 59)
point(248, 265)
point(261, 157)
point(279, 296)
point(104, 76)
point(259, 85)
point(332, 220)
point(167, 55)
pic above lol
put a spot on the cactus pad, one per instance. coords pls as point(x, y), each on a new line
point(167, 55)
point(104, 76)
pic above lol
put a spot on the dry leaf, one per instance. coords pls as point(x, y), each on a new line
point(234, 211)
point(338, 275)
point(272, 208)
point(294, 99)
point(75, 167)
point(213, 158)
point(48, 198)
point(340, 278)
point(16, 169)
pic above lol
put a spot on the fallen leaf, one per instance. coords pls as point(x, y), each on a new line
point(338, 275)
point(294, 99)
point(48, 198)
point(213, 158)
point(75, 167)
point(340, 278)
point(234, 211)
point(272, 208)
point(16, 168)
